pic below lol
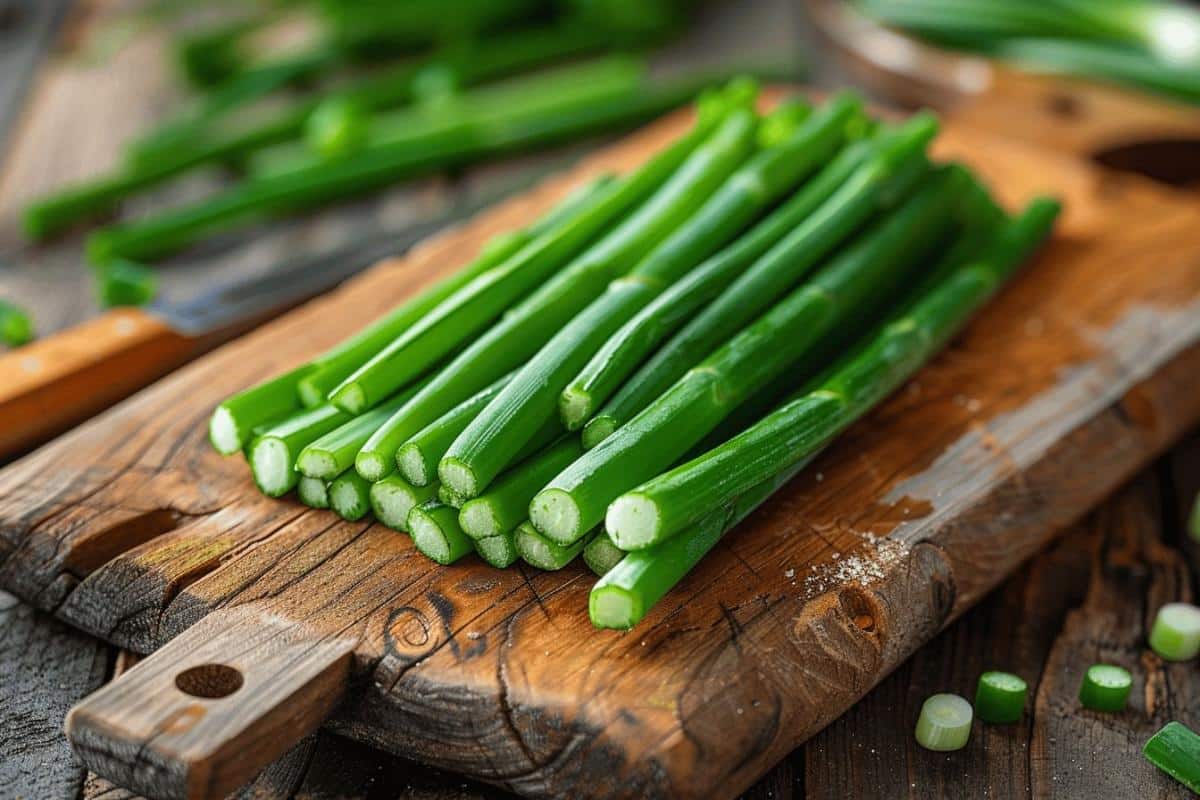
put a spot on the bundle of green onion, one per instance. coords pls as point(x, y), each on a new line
point(1152, 45)
point(628, 377)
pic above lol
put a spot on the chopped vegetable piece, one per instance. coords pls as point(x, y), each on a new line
point(1105, 687)
point(945, 723)
point(393, 498)
point(499, 551)
point(1175, 749)
point(350, 496)
point(601, 554)
point(1000, 697)
point(121, 282)
point(1175, 635)
point(435, 532)
point(313, 492)
point(336, 128)
point(538, 551)
point(15, 326)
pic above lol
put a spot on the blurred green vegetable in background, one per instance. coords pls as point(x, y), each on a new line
point(1150, 45)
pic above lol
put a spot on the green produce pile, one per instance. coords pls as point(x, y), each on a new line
point(1151, 45)
point(303, 103)
point(628, 377)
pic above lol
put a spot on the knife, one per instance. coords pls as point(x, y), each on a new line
point(61, 380)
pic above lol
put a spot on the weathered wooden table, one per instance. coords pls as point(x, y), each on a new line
point(1090, 598)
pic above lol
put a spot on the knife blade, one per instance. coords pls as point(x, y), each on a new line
point(56, 382)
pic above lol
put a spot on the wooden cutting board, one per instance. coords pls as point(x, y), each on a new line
point(271, 617)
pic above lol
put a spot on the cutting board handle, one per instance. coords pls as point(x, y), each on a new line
point(204, 714)
point(53, 383)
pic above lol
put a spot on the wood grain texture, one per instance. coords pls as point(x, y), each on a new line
point(35, 759)
point(131, 528)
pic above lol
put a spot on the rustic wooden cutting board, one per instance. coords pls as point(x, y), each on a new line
point(271, 616)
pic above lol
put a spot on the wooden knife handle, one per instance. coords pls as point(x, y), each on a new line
point(56, 382)
point(207, 712)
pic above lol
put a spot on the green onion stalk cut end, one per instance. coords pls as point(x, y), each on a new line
point(599, 429)
point(1105, 687)
point(498, 551)
point(271, 464)
point(555, 513)
point(538, 551)
point(435, 532)
point(1000, 697)
point(1176, 751)
point(601, 554)
point(313, 492)
point(574, 406)
point(458, 477)
point(372, 466)
point(317, 464)
point(478, 521)
point(632, 521)
point(945, 723)
point(350, 496)
point(1175, 635)
point(393, 499)
point(223, 432)
point(411, 464)
point(350, 398)
point(614, 607)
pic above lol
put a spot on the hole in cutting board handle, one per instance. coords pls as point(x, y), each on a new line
point(210, 681)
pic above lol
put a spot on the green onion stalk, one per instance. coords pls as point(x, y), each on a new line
point(838, 201)
point(623, 596)
point(233, 421)
point(536, 112)
point(838, 297)
point(656, 510)
point(516, 336)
